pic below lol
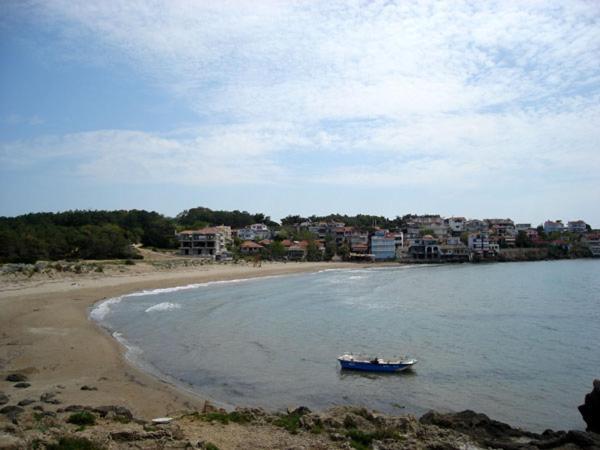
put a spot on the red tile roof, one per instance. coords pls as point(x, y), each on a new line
point(250, 244)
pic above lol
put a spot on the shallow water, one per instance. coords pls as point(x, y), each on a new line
point(517, 341)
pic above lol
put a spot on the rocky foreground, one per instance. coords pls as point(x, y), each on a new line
point(45, 424)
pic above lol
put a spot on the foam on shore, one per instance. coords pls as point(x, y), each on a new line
point(102, 309)
point(164, 306)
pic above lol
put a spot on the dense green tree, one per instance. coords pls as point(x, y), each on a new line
point(523, 240)
point(312, 252)
point(277, 249)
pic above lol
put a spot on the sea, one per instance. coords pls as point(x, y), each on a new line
point(519, 342)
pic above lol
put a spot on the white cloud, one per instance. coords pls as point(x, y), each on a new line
point(415, 93)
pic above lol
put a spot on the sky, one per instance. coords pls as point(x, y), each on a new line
point(476, 109)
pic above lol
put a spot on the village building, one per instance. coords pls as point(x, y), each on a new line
point(592, 241)
point(383, 246)
point(342, 234)
point(250, 248)
point(577, 226)
point(476, 226)
point(479, 243)
point(257, 231)
point(206, 242)
point(553, 226)
point(456, 225)
point(359, 242)
point(426, 247)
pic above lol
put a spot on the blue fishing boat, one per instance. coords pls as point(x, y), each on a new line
point(351, 362)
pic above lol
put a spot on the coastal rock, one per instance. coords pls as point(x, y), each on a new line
point(134, 435)
point(49, 397)
point(76, 408)
point(209, 408)
point(12, 412)
point(590, 410)
point(3, 398)
point(16, 377)
point(299, 411)
point(474, 424)
point(22, 385)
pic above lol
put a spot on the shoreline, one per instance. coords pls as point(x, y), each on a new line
point(48, 335)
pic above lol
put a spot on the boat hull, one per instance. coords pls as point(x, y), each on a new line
point(370, 367)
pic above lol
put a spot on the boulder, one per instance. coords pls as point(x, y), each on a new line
point(26, 401)
point(22, 385)
point(590, 410)
point(16, 377)
point(12, 412)
point(134, 435)
point(299, 411)
point(478, 426)
point(49, 397)
point(209, 408)
point(85, 387)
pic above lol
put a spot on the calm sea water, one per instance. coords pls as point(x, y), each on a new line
point(517, 341)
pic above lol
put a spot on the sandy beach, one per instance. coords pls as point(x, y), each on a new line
point(47, 335)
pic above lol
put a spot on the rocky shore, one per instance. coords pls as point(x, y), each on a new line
point(45, 423)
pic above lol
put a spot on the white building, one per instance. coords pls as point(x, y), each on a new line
point(553, 226)
point(255, 231)
point(577, 226)
point(456, 224)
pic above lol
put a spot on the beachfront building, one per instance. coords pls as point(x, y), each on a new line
point(359, 242)
point(426, 248)
point(592, 241)
point(296, 251)
point(479, 243)
point(206, 242)
point(551, 226)
point(577, 226)
point(250, 248)
point(454, 251)
point(383, 245)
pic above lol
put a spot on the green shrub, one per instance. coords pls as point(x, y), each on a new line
point(362, 440)
point(82, 418)
point(291, 422)
point(210, 446)
point(129, 262)
point(224, 418)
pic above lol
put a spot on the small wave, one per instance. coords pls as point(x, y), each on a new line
point(101, 311)
point(131, 351)
point(165, 306)
point(356, 277)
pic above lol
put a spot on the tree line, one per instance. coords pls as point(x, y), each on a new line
point(83, 234)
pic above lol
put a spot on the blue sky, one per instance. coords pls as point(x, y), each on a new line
point(481, 109)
